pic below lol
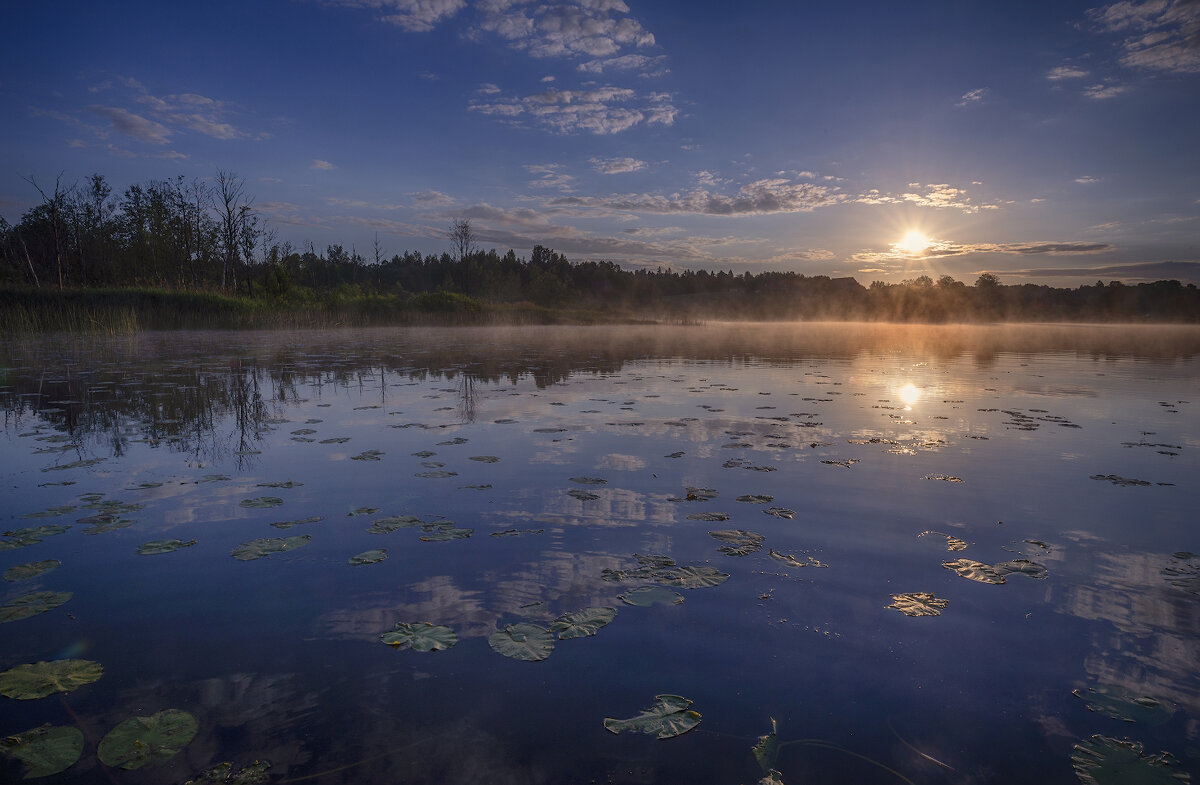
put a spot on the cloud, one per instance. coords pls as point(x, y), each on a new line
point(647, 65)
point(324, 166)
point(133, 125)
point(595, 28)
point(598, 110)
point(415, 16)
point(940, 195)
point(761, 197)
point(549, 176)
point(427, 199)
point(943, 248)
point(617, 165)
point(1137, 271)
point(1065, 72)
point(1087, 179)
point(972, 96)
point(1102, 91)
point(1161, 35)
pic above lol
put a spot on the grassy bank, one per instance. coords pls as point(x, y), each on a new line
point(118, 311)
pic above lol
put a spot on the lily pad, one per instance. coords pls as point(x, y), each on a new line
point(583, 496)
point(223, 774)
point(589, 480)
point(18, 542)
point(712, 517)
point(51, 512)
point(362, 511)
point(484, 458)
point(780, 512)
point(369, 557)
point(1022, 566)
point(580, 624)
point(1120, 704)
point(756, 498)
point(37, 532)
point(390, 524)
point(522, 641)
point(667, 718)
point(445, 532)
point(24, 572)
point(101, 524)
point(698, 577)
point(39, 679)
point(436, 474)
point(943, 477)
point(766, 749)
point(1103, 761)
point(46, 750)
point(155, 547)
point(141, 740)
point(646, 596)
point(920, 603)
point(262, 502)
point(695, 494)
point(265, 546)
point(32, 604)
point(741, 542)
point(298, 522)
point(974, 570)
point(420, 637)
point(286, 484)
point(792, 561)
point(952, 543)
point(367, 455)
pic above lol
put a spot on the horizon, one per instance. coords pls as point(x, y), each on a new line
point(1045, 143)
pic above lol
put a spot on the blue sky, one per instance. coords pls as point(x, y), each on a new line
point(1046, 142)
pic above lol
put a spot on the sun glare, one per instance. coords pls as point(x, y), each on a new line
point(914, 242)
point(909, 394)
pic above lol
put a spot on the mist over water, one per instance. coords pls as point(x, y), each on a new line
point(1036, 482)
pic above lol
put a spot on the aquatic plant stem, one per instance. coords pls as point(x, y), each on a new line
point(832, 746)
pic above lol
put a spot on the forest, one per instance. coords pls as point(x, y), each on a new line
point(205, 236)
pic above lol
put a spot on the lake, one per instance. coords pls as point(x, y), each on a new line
point(920, 554)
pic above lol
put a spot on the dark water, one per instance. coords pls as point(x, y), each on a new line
point(1072, 448)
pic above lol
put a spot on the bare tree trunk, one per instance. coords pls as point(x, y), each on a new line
point(36, 283)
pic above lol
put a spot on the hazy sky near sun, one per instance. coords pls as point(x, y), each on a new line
point(1044, 141)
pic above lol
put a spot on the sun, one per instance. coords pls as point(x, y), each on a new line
point(914, 242)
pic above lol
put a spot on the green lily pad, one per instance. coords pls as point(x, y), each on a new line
point(277, 484)
point(713, 517)
point(51, 512)
point(445, 533)
point(1022, 566)
point(646, 596)
point(141, 740)
point(484, 458)
point(156, 547)
point(420, 637)
point(367, 455)
point(792, 561)
point(522, 641)
point(741, 542)
point(39, 679)
point(583, 496)
point(692, 577)
point(1120, 704)
point(265, 546)
point(667, 718)
point(38, 532)
point(580, 624)
point(262, 502)
point(756, 498)
point(362, 511)
point(780, 512)
point(144, 485)
point(101, 524)
point(1104, 761)
point(298, 522)
point(18, 542)
point(223, 774)
point(32, 604)
point(369, 557)
point(920, 603)
point(390, 524)
point(46, 750)
point(335, 440)
point(436, 474)
point(974, 570)
point(23, 572)
point(589, 480)
point(694, 494)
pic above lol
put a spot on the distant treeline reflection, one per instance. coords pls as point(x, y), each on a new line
point(178, 391)
point(207, 236)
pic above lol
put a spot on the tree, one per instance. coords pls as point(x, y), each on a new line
point(54, 205)
point(234, 209)
point(463, 247)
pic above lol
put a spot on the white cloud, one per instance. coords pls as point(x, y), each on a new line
point(757, 198)
point(646, 65)
point(1065, 72)
point(1100, 92)
point(431, 199)
point(1162, 35)
point(599, 110)
point(133, 125)
point(549, 176)
point(617, 165)
point(416, 16)
point(972, 96)
point(1087, 179)
point(941, 195)
point(944, 248)
point(317, 163)
point(595, 28)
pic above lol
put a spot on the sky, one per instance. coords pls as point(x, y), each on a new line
point(1045, 142)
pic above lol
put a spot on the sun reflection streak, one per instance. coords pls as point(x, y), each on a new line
point(909, 394)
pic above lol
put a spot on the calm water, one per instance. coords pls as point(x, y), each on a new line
point(1070, 454)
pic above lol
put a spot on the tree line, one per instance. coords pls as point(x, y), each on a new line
point(205, 234)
